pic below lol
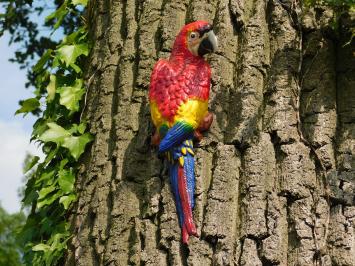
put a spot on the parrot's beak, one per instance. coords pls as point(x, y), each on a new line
point(208, 44)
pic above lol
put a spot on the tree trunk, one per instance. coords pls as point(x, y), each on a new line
point(275, 173)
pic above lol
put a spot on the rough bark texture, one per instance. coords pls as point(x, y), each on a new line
point(275, 174)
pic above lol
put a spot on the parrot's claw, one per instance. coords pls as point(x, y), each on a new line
point(155, 140)
point(198, 135)
point(203, 126)
point(206, 123)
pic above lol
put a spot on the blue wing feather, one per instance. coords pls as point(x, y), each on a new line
point(175, 135)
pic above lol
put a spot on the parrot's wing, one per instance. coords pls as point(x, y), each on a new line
point(175, 135)
point(164, 89)
point(199, 81)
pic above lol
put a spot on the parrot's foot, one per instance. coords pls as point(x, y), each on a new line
point(203, 126)
point(155, 141)
point(198, 135)
point(206, 122)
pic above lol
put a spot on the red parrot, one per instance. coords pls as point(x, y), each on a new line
point(178, 95)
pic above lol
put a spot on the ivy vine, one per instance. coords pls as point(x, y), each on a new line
point(58, 101)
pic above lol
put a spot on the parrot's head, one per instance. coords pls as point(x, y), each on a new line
point(196, 38)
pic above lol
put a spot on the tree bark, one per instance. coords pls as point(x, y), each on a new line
point(275, 173)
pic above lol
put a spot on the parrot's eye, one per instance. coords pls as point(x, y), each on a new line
point(193, 35)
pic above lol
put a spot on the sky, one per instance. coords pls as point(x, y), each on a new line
point(15, 131)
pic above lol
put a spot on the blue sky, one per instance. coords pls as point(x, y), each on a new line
point(15, 131)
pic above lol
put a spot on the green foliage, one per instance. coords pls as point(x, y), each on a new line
point(18, 21)
point(58, 78)
point(29, 105)
point(10, 247)
point(340, 8)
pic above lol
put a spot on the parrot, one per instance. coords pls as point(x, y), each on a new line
point(178, 99)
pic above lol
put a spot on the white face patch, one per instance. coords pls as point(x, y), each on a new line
point(193, 41)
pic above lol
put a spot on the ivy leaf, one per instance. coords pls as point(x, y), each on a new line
point(51, 88)
point(59, 15)
point(46, 178)
point(80, 2)
point(70, 96)
point(38, 128)
point(28, 105)
point(41, 247)
point(30, 192)
point(55, 133)
point(45, 191)
point(44, 196)
point(66, 200)
point(42, 61)
point(82, 127)
point(76, 68)
point(28, 166)
point(69, 53)
point(66, 180)
point(48, 200)
point(76, 145)
point(77, 36)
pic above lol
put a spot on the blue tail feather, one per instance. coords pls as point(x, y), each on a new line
point(189, 168)
point(189, 172)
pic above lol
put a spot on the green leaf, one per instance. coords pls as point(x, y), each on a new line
point(63, 163)
point(66, 181)
point(66, 200)
point(30, 164)
point(41, 62)
point(69, 53)
point(70, 96)
point(59, 15)
point(55, 133)
point(48, 200)
point(41, 247)
point(76, 145)
point(46, 178)
point(30, 192)
point(51, 88)
point(45, 191)
point(38, 128)
point(76, 37)
point(82, 127)
point(76, 68)
point(28, 105)
point(80, 2)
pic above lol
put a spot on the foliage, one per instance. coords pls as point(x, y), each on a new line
point(18, 21)
point(340, 8)
point(10, 247)
point(58, 101)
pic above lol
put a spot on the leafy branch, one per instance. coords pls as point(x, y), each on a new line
point(63, 137)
